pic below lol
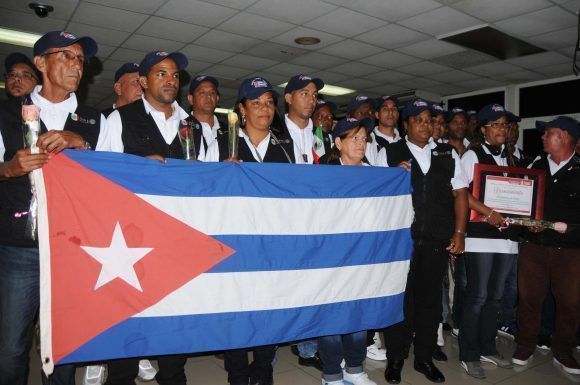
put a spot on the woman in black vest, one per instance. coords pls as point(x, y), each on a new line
point(350, 141)
point(438, 229)
point(489, 254)
point(258, 142)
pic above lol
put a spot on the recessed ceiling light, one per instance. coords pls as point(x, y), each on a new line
point(330, 90)
point(2, 85)
point(24, 39)
point(307, 40)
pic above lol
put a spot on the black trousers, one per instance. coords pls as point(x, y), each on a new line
point(422, 305)
point(171, 371)
point(240, 372)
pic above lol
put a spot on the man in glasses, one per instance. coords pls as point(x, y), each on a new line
point(20, 75)
point(59, 56)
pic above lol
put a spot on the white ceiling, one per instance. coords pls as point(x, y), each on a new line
point(374, 46)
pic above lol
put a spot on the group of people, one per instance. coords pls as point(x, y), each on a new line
point(439, 148)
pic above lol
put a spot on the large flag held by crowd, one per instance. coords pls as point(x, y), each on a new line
point(141, 258)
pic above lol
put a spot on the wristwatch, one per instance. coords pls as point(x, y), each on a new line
point(87, 146)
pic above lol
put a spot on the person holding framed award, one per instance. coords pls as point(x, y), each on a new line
point(489, 254)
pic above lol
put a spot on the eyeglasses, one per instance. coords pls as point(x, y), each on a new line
point(498, 125)
point(358, 139)
point(69, 55)
point(12, 75)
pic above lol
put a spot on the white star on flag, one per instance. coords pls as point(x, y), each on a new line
point(118, 260)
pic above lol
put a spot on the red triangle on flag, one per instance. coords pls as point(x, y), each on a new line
point(83, 210)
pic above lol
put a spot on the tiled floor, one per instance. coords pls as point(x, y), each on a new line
point(208, 370)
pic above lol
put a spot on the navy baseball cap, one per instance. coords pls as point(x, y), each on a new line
point(60, 39)
point(564, 123)
point(437, 109)
point(346, 124)
point(455, 111)
point(15, 58)
point(491, 112)
point(127, 68)
point(155, 57)
point(380, 101)
point(415, 107)
point(511, 117)
point(321, 103)
point(253, 88)
point(298, 82)
point(358, 101)
point(200, 79)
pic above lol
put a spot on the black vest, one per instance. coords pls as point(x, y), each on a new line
point(108, 111)
point(433, 199)
point(561, 204)
point(381, 142)
point(15, 194)
point(278, 150)
point(324, 159)
point(484, 229)
point(142, 137)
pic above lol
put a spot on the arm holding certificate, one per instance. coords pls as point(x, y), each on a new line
point(509, 191)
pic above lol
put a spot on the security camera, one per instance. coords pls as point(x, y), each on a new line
point(41, 10)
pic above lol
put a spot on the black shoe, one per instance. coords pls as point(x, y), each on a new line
point(439, 355)
point(430, 371)
point(313, 361)
point(544, 343)
point(447, 327)
point(393, 371)
point(294, 350)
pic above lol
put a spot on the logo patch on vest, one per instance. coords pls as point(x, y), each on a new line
point(75, 117)
point(437, 153)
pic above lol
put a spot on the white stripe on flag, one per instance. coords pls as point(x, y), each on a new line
point(266, 290)
point(253, 216)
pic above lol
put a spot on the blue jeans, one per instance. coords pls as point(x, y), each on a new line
point(332, 349)
point(19, 302)
point(507, 313)
point(459, 291)
point(486, 275)
point(308, 348)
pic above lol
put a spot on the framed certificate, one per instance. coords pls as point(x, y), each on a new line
point(511, 191)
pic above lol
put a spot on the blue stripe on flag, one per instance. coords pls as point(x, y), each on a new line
point(151, 336)
point(268, 180)
point(291, 252)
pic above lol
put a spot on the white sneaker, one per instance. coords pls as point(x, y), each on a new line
point(338, 382)
point(146, 371)
point(376, 353)
point(94, 375)
point(357, 379)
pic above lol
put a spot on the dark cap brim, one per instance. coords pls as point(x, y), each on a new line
point(179, 59)
point(15, 58)
point(257, 92)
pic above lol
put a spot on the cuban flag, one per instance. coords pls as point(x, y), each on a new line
point(140, 258)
